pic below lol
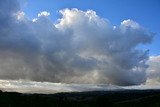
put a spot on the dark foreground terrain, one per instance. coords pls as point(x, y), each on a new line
point(120, 98)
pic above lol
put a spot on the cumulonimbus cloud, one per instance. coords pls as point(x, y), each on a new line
point(81, 47)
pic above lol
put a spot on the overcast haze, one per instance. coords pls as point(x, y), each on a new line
point(79, 47)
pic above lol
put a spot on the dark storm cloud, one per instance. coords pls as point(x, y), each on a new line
point(80, 48)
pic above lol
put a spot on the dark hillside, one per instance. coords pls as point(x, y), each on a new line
point(121, 98)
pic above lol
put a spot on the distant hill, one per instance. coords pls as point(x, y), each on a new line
point(119, 98)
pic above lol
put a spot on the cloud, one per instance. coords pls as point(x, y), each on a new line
point(153, 72)
point(24, 86)
point(44, 13)
point(130, 23)
point(20, 15)
point(81, 47)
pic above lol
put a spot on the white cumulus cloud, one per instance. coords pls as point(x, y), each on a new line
point(81, 47)
point(43, 13)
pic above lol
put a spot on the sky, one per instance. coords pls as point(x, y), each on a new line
point(144, 12)
point(79, 42)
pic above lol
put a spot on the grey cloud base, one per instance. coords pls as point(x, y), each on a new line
point(80, 48)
